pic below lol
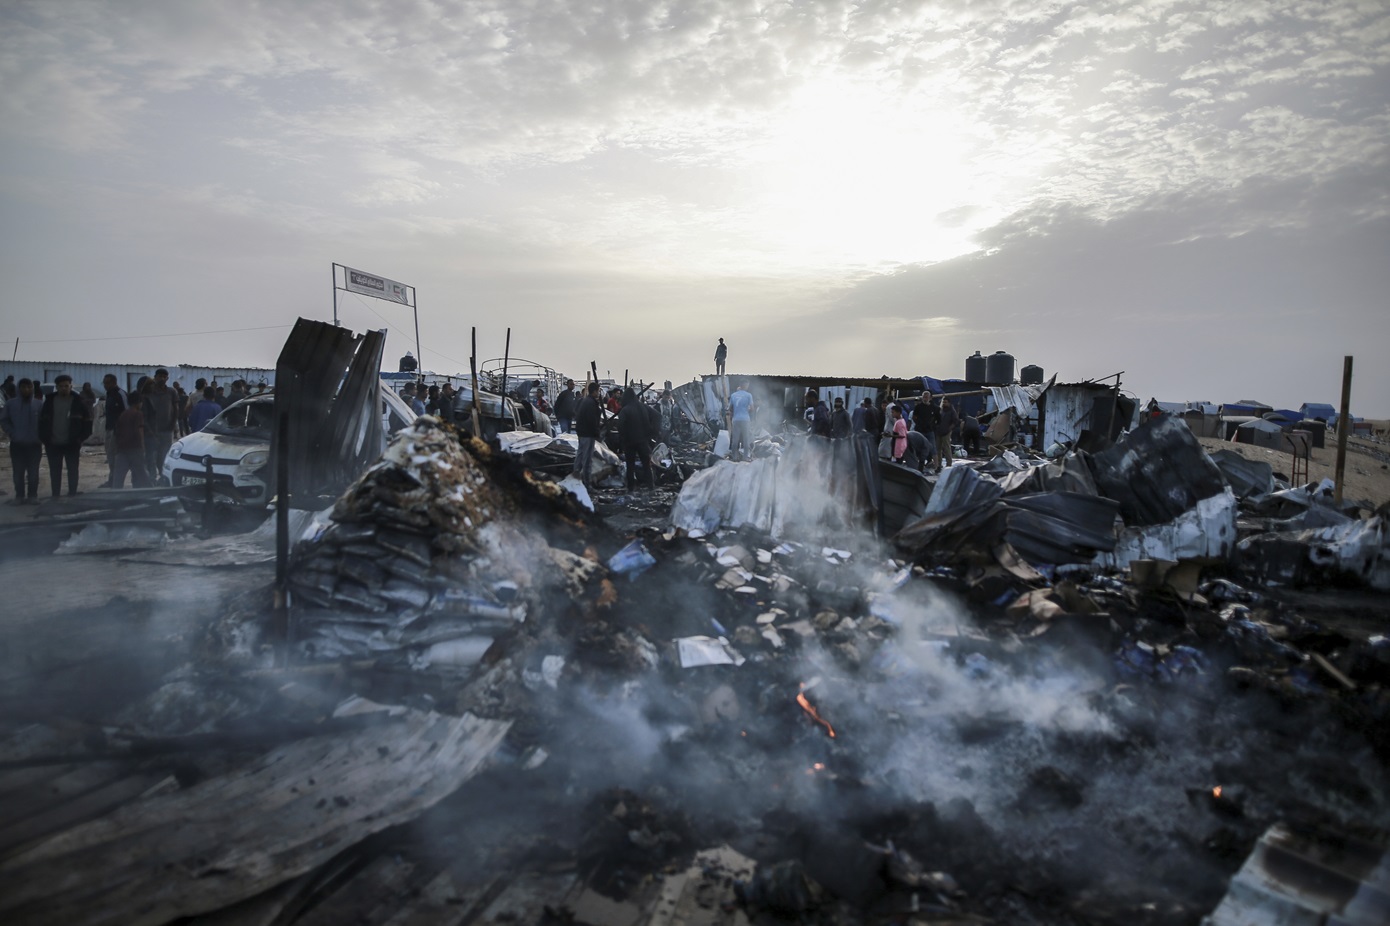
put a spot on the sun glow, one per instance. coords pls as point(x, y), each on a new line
point(853, 175)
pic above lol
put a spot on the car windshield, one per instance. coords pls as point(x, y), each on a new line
point(244, 419)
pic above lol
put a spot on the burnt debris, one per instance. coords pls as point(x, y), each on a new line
point(1080, 690)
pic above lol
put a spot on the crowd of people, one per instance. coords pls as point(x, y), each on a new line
point(915, 431)
point(140, 426)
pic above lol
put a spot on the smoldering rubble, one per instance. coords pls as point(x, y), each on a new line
point(1086, 690)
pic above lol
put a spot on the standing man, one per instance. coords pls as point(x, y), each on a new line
point(64, 423)
point(21, 424)
point(564, 407)
point(161, 413)
point(633, 438)
point(203, 412)
point(8, 390)
point(720, 354)
point(741, 413)
point(944, 427)
point(116, 402)
point(130, 445)
point(925, 417)
point(182, 403)
point(446, 404)
point(586, 425)
point(840, 422)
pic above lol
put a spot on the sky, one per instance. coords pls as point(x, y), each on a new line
point(1194, 193)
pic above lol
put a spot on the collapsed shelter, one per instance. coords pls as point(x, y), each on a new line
point(1100, 688)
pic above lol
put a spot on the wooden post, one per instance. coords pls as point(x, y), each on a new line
point(473, 365)
point(1343, 430)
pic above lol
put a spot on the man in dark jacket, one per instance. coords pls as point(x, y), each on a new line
point(840, 423)
point(564, 407)
point(944, 427)
point(21, 423)
point(116, 400)
point(925, 418)
point(586, 425)
point(633, 436)
point(160, 407)
point(64, 423)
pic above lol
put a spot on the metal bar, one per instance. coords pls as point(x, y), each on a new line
point(334, 273)
point(506, 357)
point(207, 491)
point(477, 414)
point(282, 529)
point(415, 307)
point(1343, 430)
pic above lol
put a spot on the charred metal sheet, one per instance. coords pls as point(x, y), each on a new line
point(1072, 473)
point(1060, 527)
point(1156, 472)
point(1296, 876)
point(328, 386)
point(1252, 479)
point(962, 487)
point(236, 835)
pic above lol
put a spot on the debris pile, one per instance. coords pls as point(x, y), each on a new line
point(1057, 697)
point(424, 558)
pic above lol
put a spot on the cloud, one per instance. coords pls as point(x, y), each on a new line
point(723, 151)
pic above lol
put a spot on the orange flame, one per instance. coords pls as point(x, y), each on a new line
point(810, 709)
point(1216, 791)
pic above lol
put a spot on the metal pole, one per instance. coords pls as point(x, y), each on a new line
point(1343, 429)
point(16, 350)
point(415, 307)
point(334, 274)
point(282, 529)
point(506, 355)
point(478, 415)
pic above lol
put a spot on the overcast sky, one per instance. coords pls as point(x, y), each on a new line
point(1192, 192)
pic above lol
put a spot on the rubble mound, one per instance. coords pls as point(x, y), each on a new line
point(424, 484)
point(411, 560)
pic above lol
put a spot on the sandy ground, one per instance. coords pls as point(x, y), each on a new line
point(91, 473)
point(1367, 476)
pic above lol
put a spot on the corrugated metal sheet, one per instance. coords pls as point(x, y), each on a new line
point(1065, 410)
point(128, 374)
point(1300, 877)
point(330, 392)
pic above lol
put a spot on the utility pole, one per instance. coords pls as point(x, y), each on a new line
point(1343, 429)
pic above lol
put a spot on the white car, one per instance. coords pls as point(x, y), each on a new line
point(237, 444)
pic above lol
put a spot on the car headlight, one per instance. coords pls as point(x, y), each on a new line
point(176, 451)
point(256, 458)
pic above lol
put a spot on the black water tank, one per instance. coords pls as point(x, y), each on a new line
point(1031, 375)
point(976, 368)
point(999, 367)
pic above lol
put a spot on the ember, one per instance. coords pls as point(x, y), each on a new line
point(810, 708)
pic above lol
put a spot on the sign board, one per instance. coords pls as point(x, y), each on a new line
point(380, 287)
